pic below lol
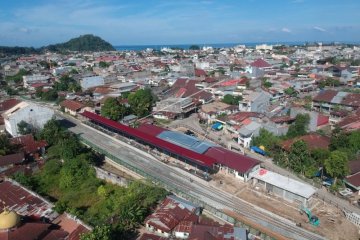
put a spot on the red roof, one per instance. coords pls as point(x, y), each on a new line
point(151, 129)
point(322, 120)
point(23, 201)
point(325, 96)
point(7, 104)
point(354, 179)
point(193, 156)
point(169, 215)
point(72, 105)
point(15, 158)
point(28, 143)
point(260, 63)
point(199, 72)
point(214, 155)
point(352, 99)
point(231, 159)
point(313, 141)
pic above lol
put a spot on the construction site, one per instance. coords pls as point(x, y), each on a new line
point(331, 221)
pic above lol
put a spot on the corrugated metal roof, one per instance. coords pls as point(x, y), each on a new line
point(170, 147)
point(183, 140)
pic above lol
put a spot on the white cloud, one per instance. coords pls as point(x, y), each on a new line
point(286, 30)
point(320, 29)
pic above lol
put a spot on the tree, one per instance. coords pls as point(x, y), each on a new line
point(194, 47)
point(290, 92)
point(113, 109)
point(5, 146)
point(103, 64)
point(299, 127)
point(299, 157)
point(232, 100)
point(266, 139)
point(141, 102)
point(52, 132)
point(24, 127)
point(339, 139)
point(98, 233)
point(267, 84)
point(337, 165)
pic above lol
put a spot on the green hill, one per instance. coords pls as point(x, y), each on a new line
point(84, 43)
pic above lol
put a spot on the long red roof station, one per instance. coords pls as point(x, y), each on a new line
point(157, 142)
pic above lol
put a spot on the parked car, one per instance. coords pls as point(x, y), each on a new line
point(346, 192)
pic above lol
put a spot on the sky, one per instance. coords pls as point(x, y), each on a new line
point(140, 22)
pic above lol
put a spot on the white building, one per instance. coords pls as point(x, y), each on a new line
point(33, 114)
point(264, 47)
point(284, 187)
point(29, 80)
point(89, 82)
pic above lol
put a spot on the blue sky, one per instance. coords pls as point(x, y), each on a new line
point(136, 22)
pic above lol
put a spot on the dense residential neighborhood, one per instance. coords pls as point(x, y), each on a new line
point(198, 143)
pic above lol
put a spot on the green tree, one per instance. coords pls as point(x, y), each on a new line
point(267, 84)
point(337, 165)
point(52, 132)
point(98, 233)
point(5, 146)
point(69, 147)
point(103, 64)
point(299, 157)
point(24, 127)
point(290, 91)
point(232, 100)
point(299, 127)
point(141, 102)
point(194, 47)
point(266, 139)
point(113, 109)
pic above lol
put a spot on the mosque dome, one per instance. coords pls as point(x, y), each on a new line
point(8, 219)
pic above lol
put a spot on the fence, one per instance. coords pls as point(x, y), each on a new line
point(170, 187)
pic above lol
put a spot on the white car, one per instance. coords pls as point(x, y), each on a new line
point(345, 192)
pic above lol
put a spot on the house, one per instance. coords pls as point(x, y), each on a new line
point(313, 141)
point(29, 80)
point(172, 108)
point(179, 219)
point(329, 100)
point(29, 145)
point(170, 213)
point(353, 179)
point(33, 114)
point(249, 130)
point(254, 101)
point(350, 122)
point(184, 87)
point(11, 160)
point(209, 112)
point(72, 107)
point(257, 68)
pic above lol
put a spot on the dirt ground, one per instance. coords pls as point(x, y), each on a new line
point(333, 224)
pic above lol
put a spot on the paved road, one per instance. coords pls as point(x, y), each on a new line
point(198, 188)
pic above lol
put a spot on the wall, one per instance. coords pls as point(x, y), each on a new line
point(33, 114)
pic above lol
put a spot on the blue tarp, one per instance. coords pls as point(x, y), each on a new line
point(217, 126)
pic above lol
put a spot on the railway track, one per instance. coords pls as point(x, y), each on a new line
point(214, 197)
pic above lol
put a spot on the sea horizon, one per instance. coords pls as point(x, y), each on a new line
point(140, 47)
